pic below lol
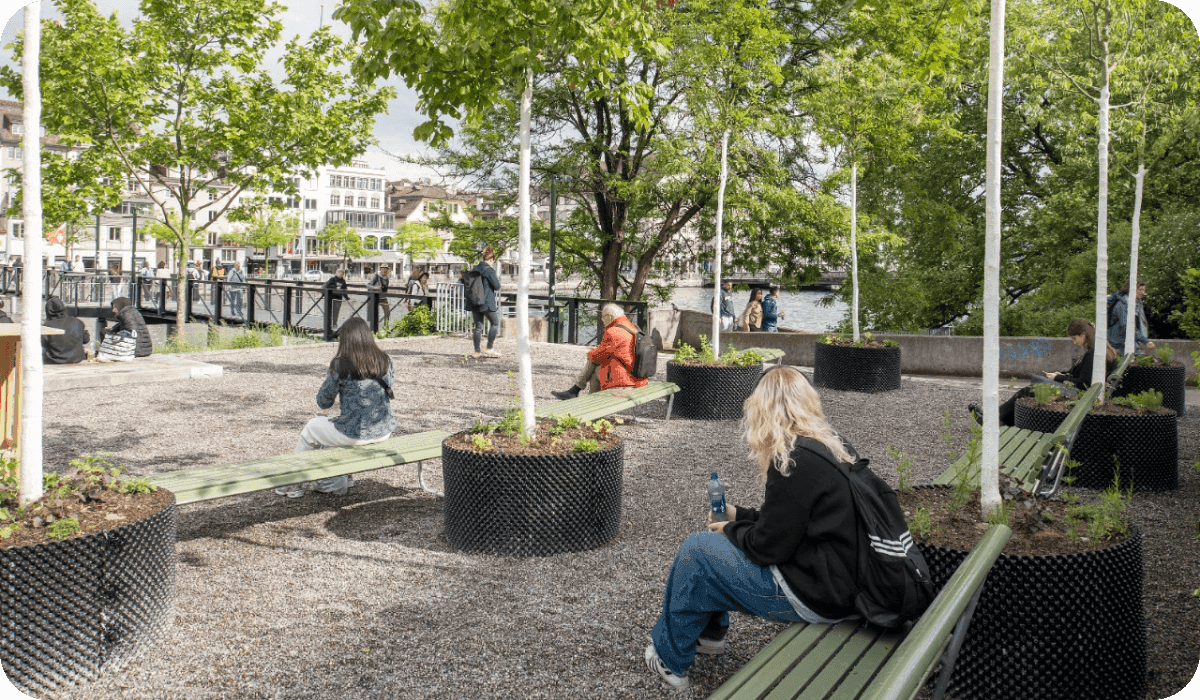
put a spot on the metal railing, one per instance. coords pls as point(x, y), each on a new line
point(307, 306)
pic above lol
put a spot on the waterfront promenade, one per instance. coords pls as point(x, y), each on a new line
point(362, 596)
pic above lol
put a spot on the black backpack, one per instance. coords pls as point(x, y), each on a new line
point(893, 579)
point(645, 355)
point(475, 294)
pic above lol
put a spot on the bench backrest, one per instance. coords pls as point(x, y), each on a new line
point(913, 662)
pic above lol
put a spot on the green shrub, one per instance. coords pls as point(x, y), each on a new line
point(1149, 400)
point(586, 445)
point(1165, 353)
point(62, 528)
point(419, 321)
point(481, 442)
point(1044, 393)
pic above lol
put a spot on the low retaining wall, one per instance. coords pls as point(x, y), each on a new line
point(923, 354)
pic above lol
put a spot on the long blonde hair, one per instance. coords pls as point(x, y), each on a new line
point(783, 407)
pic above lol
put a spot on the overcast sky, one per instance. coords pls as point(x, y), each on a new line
point(393, 130)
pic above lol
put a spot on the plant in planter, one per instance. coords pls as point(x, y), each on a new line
point(1062, 606)
point(712, 387)
point(553, 491)
point(1160, 371)
point(866, 365)
point(89, 573)
point(1134, 431)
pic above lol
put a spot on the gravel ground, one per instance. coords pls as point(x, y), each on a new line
point(362, 596)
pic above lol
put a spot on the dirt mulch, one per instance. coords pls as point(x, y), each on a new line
point(108, 510)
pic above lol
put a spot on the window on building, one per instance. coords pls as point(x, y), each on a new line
point(212, 195)
point(371, 243)
point(457, 208)
point(374, 202)
point(228, 255)
point(314, 245)
point(212, 216)
point(310, 204)
point(311, 225)
point(362, 202)
point(385, 243)
point(114, 233)
point(18, 230)
point(15, 152)
point(335, 200)
point(18, 129)
point(214, 238)
point(333, 180)
point(292, 203)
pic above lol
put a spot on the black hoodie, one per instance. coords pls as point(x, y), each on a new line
point(130, 319)
point(65, 349)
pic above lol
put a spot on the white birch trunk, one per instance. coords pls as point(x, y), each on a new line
point(854, 246)
point(1131, 316)
point(989, 479)
point(30, 488)
point(718, 252)
point(525, 374)
point(1102, 226)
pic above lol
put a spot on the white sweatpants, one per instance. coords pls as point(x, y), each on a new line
point(321, 432)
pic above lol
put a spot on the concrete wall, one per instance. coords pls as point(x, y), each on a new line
point(922, 354)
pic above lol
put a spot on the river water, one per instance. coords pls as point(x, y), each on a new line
point(802, 308)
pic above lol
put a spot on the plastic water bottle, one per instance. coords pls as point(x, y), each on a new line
point(716, 498)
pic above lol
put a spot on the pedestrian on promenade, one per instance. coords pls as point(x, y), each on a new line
point(235, 282)
point(752, 315)
point(162, 273)
point(361, 377)
point(68, 348)
point(794, 559)
point(144, 274)
point(490, 309)
point(1079, 377)
point(418, 285)
point(609, 364)
point(1118, 305)
point(726, 305)
point(379, 283)
point(337, 292)
point(771, 312)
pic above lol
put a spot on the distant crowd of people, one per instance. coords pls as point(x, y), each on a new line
point(762, 313)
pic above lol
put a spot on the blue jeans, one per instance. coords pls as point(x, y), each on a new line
point(711, 576)
point(493, 318)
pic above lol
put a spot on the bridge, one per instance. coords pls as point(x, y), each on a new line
point(830, 280)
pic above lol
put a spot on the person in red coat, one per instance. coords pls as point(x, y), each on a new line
point(610, 364)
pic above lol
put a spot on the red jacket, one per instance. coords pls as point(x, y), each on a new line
point(614, 354)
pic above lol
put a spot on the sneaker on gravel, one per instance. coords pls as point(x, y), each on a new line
point(679, 684)
point(490, 353)
point(704, 645)
point(291, 490)
point(336, 485)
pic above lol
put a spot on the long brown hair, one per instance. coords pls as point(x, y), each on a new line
point(358, 357)
point(1087, 329)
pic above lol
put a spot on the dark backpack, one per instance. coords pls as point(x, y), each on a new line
point(475, 294)
point(893, 579)
point(645, 355)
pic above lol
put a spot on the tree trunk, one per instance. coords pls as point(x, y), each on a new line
point(1131, 318)
point(989, 479)
point(854, 246)
point(181, 281)
point(1098, 357)
point(717, 250)
point(525, 364)
point(32, 384)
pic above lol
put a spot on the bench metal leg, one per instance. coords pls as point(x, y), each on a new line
point(670, 405)
point(956, 641)
point(421, 480)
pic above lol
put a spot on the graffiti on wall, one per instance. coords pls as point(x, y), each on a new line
point(1033, 349)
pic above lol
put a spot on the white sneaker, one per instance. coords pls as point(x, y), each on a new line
point(490, 353)
point(291, 490)
point(679, 684)
point(714, 647)
point(336, 485)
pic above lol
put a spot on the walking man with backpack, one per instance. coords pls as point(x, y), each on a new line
point(379, 283)
point(482, 283)
point(829, 541)
point(612, 362)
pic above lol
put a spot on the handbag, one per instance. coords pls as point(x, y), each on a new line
point(118, 347)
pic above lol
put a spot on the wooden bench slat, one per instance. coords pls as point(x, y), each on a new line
point(759, 675)
point(607, 402)
point(824, 654)
point(851, 658)
point(868, 666)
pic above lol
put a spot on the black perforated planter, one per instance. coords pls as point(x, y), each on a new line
point(847, 368)
point(1062, 627)
point(72, 610)
point(532, 506)
point(1169, 380)
point(1146, 446)
point(710, 392)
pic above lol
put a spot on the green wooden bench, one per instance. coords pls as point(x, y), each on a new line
point(1036, 459)
point(851, 660)
point(610, 401)
point(769, 354)
point(204, 483)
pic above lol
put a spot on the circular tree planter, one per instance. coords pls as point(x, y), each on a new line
point(1053, 627)
point(532, 505)
point(850, 368)
point(712, 392)
point(73, 609)
point(1167, 379)
point(1145, 445)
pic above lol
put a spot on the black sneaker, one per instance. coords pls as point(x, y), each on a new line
point(976, 413)
point(572, 393)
